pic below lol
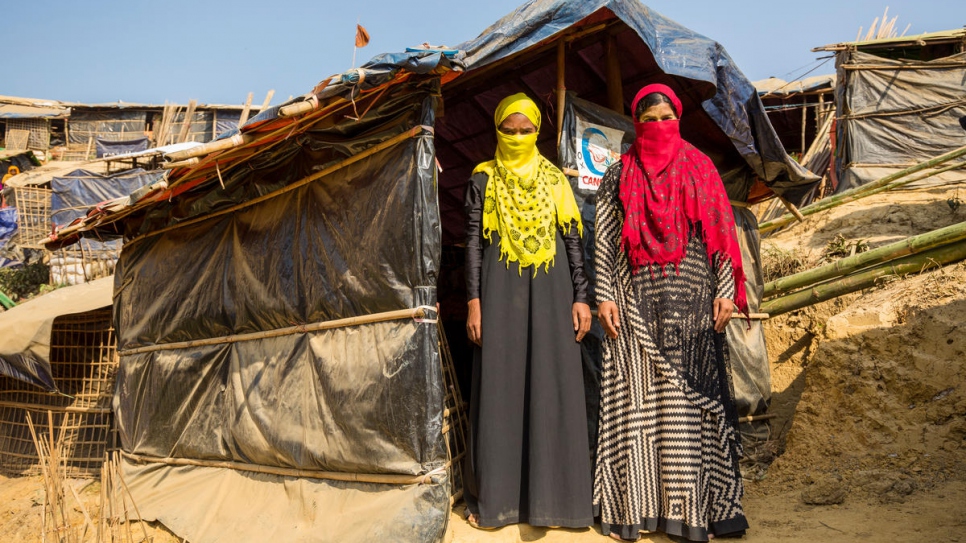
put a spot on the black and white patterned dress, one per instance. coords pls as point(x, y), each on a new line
point(667, 456)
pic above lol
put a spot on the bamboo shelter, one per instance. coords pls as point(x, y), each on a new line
point(276, 307)
point(888, 85)
point(67, 383)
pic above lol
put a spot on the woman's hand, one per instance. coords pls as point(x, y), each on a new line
point(609, 319)
point(581, 315)
point(474, 318)
point(723, 308)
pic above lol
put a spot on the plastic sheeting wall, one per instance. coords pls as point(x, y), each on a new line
point(900, 113)
point(110, 124)
point(365, 399)
point(78, 191)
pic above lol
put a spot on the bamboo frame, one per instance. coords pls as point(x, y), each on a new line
point(33, 214)
point(415, 313)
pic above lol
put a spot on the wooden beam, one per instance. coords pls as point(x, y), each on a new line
point(561, 87)
point(615, 85)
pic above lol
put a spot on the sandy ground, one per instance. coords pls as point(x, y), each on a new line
point(869, 392)
point(933, 515)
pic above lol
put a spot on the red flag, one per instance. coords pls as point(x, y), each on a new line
point(362, 37)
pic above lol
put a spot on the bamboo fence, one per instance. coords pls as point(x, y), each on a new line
point(33, 215)
point(83, 361)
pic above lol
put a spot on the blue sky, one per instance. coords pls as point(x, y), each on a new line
point(217, 51)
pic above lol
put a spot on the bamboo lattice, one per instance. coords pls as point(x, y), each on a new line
point(83, 359)
point(33, 215)
point(454, 417)
point(28, 134)
point(82, 262)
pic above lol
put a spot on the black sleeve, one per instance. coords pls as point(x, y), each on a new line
point(474, 234)
point(575, 256)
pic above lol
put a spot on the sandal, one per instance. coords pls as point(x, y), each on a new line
point(474, 520)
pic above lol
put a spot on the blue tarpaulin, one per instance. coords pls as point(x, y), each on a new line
point(78, 191)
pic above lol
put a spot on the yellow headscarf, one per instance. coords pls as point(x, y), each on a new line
point(527, 198)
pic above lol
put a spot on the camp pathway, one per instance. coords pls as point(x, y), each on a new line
point(925, 516)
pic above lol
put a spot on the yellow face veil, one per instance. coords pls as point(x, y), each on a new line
point(527, 199)
point(518, 152)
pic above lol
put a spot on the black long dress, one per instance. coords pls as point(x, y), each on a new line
point(527, 456)
point(667, 456)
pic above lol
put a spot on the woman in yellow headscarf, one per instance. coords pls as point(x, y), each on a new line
point(528, 458)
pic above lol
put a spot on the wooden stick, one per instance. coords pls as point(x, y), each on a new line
point(561, 88)
point(378, 478)
point(268, 100)
point(751, 418)
point(244, 114)
point(401, 314)
point(186, 126)
point(792, 209)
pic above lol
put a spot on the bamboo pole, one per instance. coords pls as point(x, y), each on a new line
point(186, 125)
point(792, 209)
point(268, 100)
point(864, 190)
point(845, 266)
point(379, 478)
point(414, 313)
point(245, 111)
point(751, 418)
point(561, 88)
point(938, 256)
point(210, 147)
point(615, 85)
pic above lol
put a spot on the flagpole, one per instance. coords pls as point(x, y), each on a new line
point(354, 46)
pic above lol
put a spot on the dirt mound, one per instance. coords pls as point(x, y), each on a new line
point(869, 388)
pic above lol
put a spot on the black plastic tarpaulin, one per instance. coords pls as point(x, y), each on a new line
point(223, 359)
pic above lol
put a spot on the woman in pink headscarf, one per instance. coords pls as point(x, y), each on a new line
point(669, 276)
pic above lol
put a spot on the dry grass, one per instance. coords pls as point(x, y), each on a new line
point(777, 263)
point(842, 247)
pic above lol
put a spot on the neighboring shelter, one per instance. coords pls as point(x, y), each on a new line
point(275, 300)
point(72, 131)
point(31, 124)
point(898, 102)
point(61, 192)
point(58, 362)
point(798, 109)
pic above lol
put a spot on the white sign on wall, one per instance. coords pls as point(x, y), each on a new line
point(597, 148)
